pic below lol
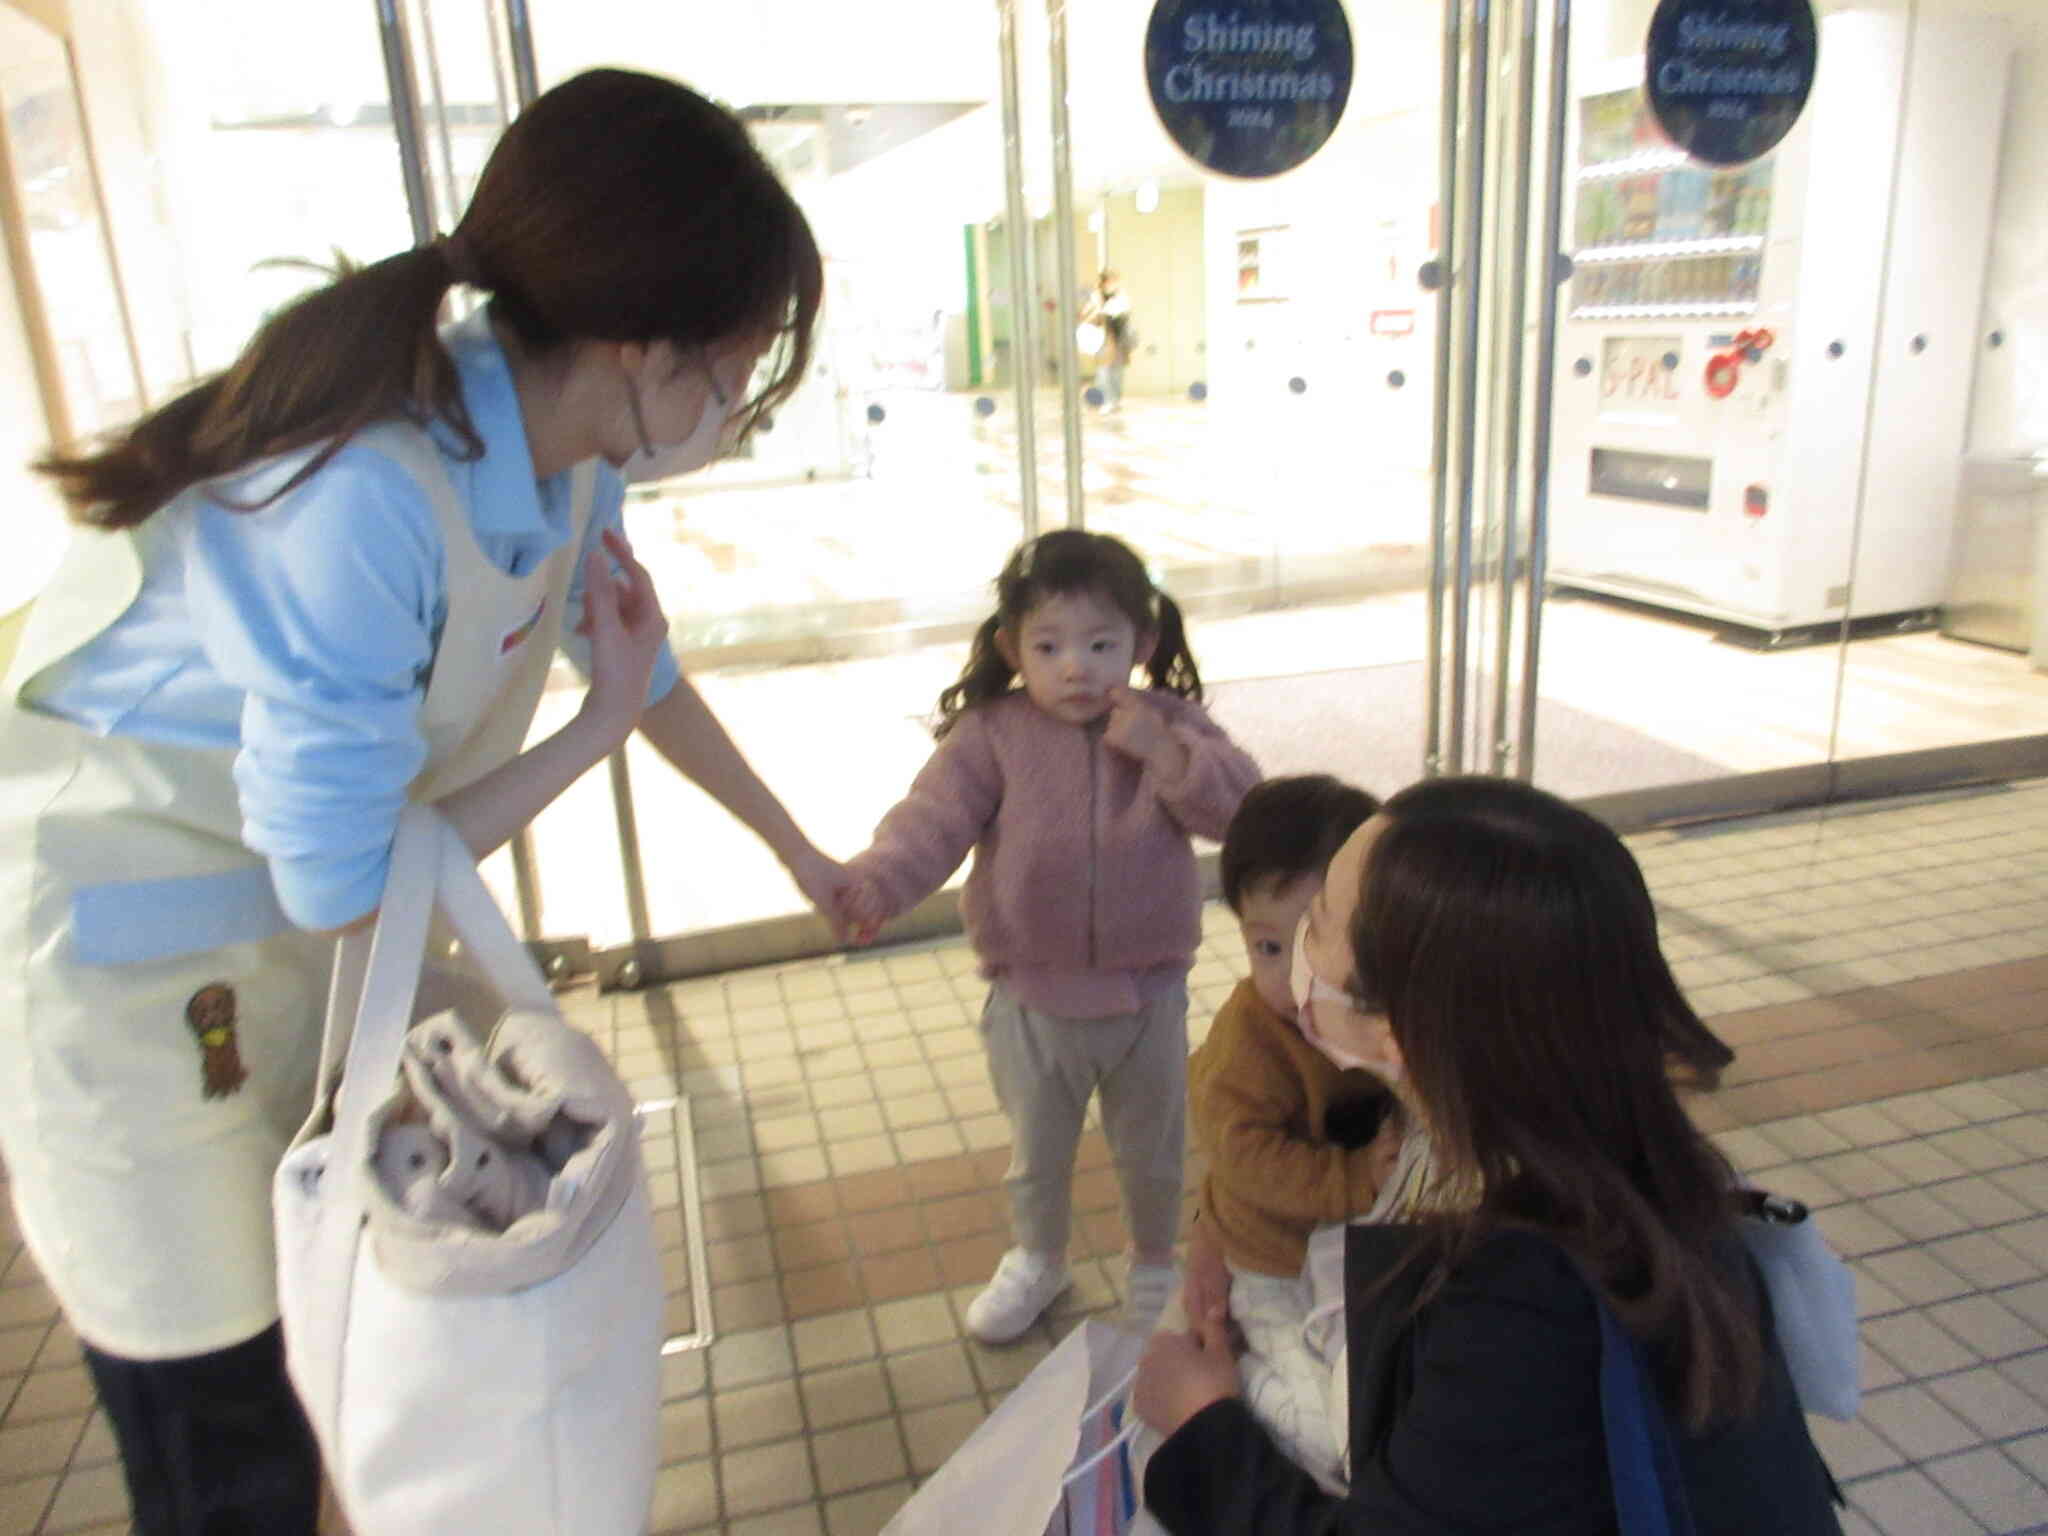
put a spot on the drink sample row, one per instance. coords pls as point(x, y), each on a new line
point(1690, 280)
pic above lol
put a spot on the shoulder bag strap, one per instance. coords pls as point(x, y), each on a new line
point(1642, 1462)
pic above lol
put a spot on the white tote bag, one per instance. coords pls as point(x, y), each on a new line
point(461, 1378)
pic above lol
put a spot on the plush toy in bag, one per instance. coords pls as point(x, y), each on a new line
point(466, 1260)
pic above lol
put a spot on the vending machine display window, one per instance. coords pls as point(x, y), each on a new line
point(1657, 235)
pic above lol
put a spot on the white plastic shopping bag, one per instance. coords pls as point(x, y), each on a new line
point(1052, 1460)
point(1813, 1302)
point(463, 1377)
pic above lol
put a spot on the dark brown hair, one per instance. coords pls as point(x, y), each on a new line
point(1058, 564)
point(1286, 828)
point(617, 207)
point(1513, 945)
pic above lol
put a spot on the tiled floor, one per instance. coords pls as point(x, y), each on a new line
point(1883, 970)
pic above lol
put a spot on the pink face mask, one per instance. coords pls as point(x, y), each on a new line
point(1310, 989)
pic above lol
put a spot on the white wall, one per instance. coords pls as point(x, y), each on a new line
point(2010, 407)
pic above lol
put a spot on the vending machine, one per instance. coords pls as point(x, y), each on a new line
point(1749, 355)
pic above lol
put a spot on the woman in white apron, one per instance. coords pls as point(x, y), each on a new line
point(325, 583)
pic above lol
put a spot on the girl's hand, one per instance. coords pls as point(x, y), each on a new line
point(623, 618)
point(860, 914)
point(1180, 1374)
point(1138, 729)
point(1205, 1285)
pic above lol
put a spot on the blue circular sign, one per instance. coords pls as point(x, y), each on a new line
point(1248, 88)
point(1727, 79)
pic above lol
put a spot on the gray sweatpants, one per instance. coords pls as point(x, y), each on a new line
point(1044, 1068)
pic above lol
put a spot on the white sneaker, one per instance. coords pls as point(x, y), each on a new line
point(1147, 1290)
point(1022, 1287)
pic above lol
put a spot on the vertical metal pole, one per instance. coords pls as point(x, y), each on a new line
point(1468, 387)
point(99, 203)
point(1023, 291)
point(1546, 370)
point(1515, 266)
point(405, 118)
point(451, 205)
point(519, 29)
point(629, 845)
point(1446, 267)
point(1063, 211)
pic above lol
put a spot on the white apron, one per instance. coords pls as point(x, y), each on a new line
point(159, 1017)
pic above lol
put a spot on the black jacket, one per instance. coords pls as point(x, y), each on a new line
point(1481, 1413)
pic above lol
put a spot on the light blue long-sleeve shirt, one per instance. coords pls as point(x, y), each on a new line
point(302, 634)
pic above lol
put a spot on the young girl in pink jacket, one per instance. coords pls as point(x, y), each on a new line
point(1079, 796)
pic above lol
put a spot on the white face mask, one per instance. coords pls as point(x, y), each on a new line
point(1309, 990)
point(693, 453)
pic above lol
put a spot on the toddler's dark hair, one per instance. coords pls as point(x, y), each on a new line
point(1289, 827)
point(1058, 564)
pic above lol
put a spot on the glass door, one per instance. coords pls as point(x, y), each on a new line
point(1741, 518)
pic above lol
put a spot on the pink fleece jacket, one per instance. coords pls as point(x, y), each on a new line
point(1084, 898)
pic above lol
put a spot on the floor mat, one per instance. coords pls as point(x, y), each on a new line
point(1365, 724)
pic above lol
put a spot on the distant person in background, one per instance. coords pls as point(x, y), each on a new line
point(1110, 308)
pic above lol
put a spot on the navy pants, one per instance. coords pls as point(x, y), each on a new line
point(213, 1445)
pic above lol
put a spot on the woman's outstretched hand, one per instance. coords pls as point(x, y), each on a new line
point(824, 883)
point(1183, 1373)
point(623, 618)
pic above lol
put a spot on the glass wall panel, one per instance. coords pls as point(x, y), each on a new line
point(821, 584)
point(1271, 453)
point(69, 282)
point(1950, 553)
point(1716, 355)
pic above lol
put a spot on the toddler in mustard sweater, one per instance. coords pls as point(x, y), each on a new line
point(1293, 1140)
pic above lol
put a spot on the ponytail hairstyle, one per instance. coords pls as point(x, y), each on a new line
point(1512, 943)
point(617, 207)
point(1059, 564)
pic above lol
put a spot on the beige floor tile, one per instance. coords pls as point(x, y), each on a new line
point(804, 1520)
point(22, 1504)
point(766, 1477)
point(924, 1378)
point(743, 1359)
point(859, 1456)
point(685, 1497)
point(685, 1430)
point(92, 1496)
point(834, 1339)
point(754, 1415)
point(933, 1434)
point(1916, 1422)
point(914, 1323)
point(1908, 1503)
point(33, 1449)
point(848, 1394)
point(864, 1514)
point(863, 1154)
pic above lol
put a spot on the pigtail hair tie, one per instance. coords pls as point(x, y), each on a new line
point(459, 259)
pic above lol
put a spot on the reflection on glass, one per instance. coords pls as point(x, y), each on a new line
point(73, 279)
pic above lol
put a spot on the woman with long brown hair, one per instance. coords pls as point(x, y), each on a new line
point(1494, 952)
point(324, 583)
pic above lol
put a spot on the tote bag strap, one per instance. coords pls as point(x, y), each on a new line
point(1642, 1463)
